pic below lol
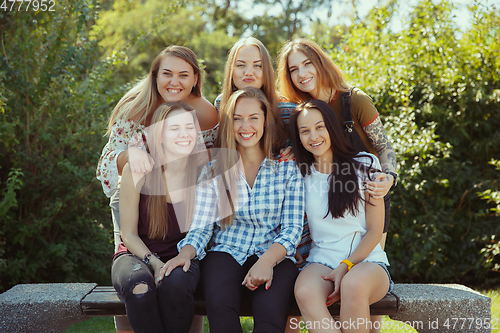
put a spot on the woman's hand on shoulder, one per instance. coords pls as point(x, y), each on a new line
point(139, 160)
point(286, 154)
point(336, 277)
point(380, 186)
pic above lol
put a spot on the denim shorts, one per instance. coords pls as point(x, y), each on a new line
point(384, 266)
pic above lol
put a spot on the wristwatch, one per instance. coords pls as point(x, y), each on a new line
point(395, 175)
point(147, 257)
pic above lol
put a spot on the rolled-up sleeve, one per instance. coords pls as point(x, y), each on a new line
point(204, 217)
point(292, 213)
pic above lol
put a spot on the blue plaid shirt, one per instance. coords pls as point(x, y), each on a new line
point(270, 212)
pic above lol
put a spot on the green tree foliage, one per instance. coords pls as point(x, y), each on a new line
point(286, 20)
point(53, 109)
point(61, 73)
point(209, 27)
point(282, 20)
point(158, 24)
point(438, 92)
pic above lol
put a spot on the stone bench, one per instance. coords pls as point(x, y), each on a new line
point(55, 307)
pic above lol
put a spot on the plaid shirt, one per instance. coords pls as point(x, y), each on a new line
point(270, 212)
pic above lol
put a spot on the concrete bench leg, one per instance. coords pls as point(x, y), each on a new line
point(442, 308)
point(42, 307)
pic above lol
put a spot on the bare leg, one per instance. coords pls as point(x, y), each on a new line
point(365, 284)
point(378, 318)
point(376, 324)
point(311, 292)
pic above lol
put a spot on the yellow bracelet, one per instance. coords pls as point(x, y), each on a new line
point(348, 263)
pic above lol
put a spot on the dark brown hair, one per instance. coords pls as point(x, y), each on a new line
point(342, 197)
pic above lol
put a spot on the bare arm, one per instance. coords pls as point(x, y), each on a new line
point(374, 216)
point(129, 218)
point(377, 136)
point(374, 210)
point(139, 160)
point(121, 161)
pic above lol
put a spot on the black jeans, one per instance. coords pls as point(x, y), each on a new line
point(223, 292)
point(166, 308)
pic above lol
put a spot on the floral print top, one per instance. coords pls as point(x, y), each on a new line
point(124, 134)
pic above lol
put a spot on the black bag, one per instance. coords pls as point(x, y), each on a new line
point(350, 133)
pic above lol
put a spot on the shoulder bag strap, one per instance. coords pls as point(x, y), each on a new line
point(346, 110)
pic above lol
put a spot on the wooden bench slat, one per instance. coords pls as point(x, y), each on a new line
point(105, 301)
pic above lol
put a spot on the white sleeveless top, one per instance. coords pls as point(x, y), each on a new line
point(333, 240)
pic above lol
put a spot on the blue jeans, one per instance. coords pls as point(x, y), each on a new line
point(168, 307)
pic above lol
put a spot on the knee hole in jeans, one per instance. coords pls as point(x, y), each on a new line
point(140, 288)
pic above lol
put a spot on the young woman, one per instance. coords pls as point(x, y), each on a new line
point(174, 76)
point(155, 210)
point(346, 260)
point(306, 72)
point(251, 251)
point(249, 65)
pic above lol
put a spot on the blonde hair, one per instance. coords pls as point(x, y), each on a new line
point(155, 180)
point(268, 85)
point(142, 98)
point(329, 74)
point(226, 158)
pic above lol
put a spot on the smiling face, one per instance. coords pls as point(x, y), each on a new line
point(247, 69)
point(248, 122)
point(303, 73)
point(314, 135)
point(175, 79)
point(179, 134)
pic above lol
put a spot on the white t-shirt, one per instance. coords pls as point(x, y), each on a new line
point(334, 240)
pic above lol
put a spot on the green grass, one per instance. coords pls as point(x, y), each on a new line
point(495, 308)
point(94, 325)
point(106, 324)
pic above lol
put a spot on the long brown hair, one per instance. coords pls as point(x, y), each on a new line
point(155, 180)
point(268, 84)
point(140, 100)
point(227, 158)
point(341, 197)
point(329, 74)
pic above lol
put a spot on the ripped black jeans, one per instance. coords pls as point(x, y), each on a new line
point(168, 307)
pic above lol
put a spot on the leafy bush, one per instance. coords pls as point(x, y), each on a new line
point(160, 23)
point(438, 93)
point(53, 112)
